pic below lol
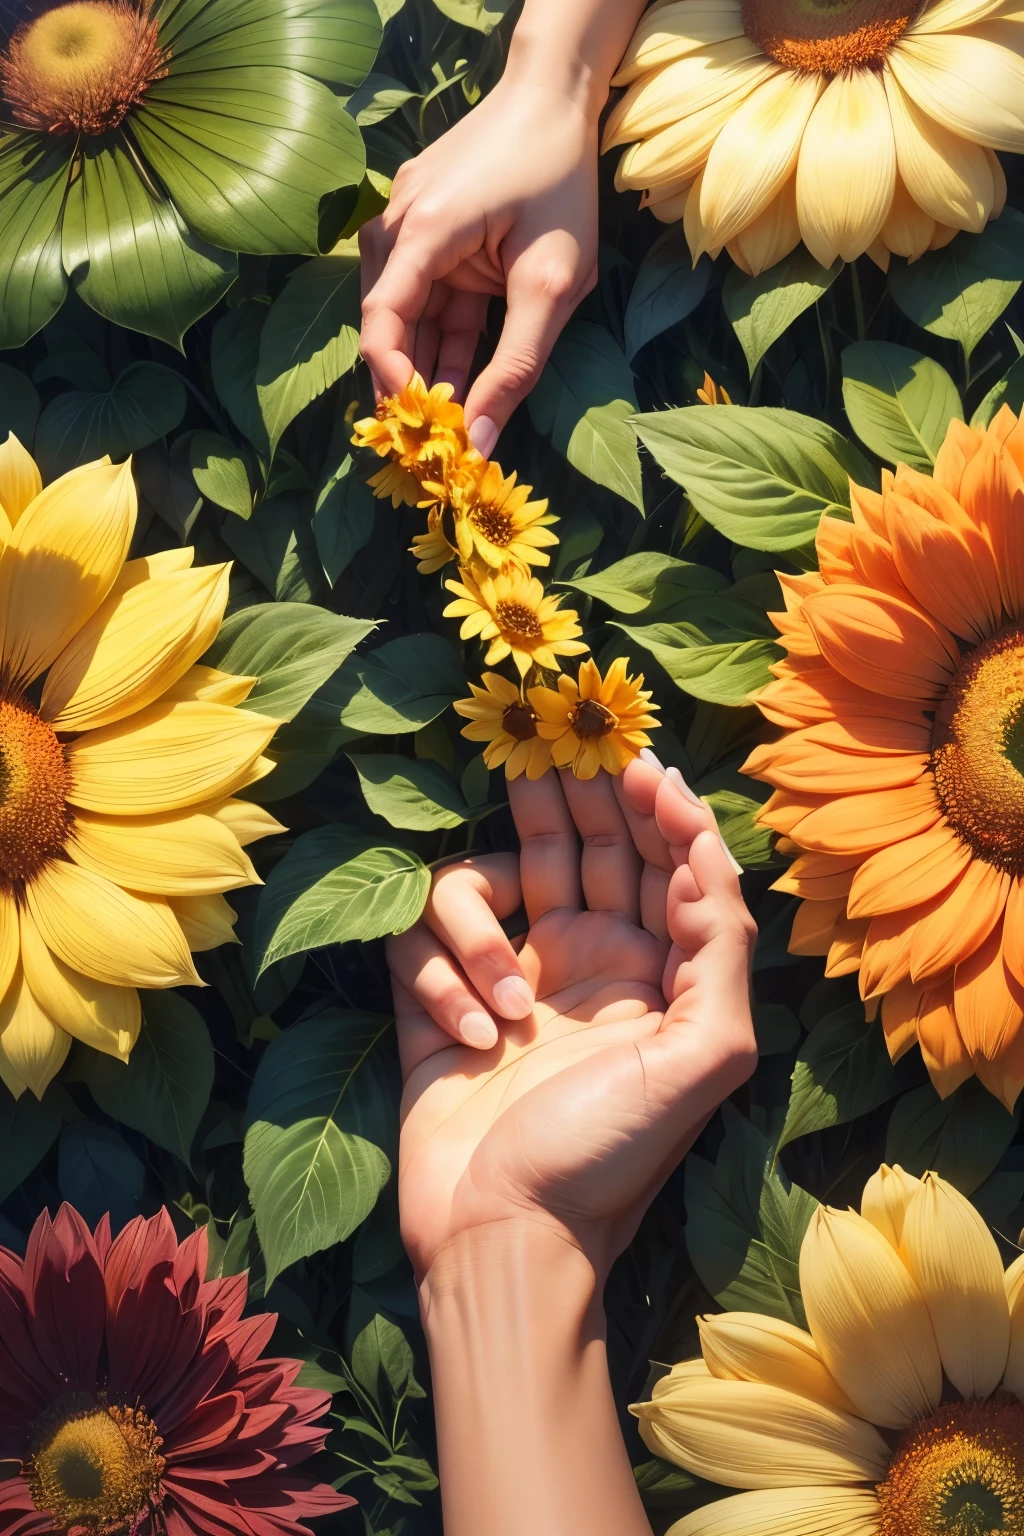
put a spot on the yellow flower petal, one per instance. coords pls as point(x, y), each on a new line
point(948, 177)
point(206, 685)
point(697, 81)
point(869, 1320)
point(165, 758)
point(104, 1017)
point(20, 480)
point(886, 1197)
point(32, 1048)
point(667, 32)
point(952, 1255)
point(62, 560)
point(10, 940)
point(134, 647)
point(190, 854)
point(95, 927)
point(246, 821)
point(953, 15)
point(748, 1346)
point(1013, 1280)
point(786, 1512)
point(847, 172)
point(970, 85)
point(206, 921)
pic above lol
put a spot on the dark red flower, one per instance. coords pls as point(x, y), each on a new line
point(133, 1396)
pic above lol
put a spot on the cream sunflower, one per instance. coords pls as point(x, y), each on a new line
point(495, 521)
point(899, 776)
point(499, 715)
point(594, 722)
point(423, 433)
point(854, 125)
point(119, 758)
point(514, 614)
point(897, 1412)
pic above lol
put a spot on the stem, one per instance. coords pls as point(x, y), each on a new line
point(858, 302)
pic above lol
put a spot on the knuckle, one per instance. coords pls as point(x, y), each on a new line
point(606, 840)
point(520, 370)
point(427, 213)
point(556, 280)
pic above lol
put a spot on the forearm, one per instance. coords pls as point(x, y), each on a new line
point(528, 1439)
point(573, 46)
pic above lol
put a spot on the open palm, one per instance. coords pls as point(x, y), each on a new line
point(637, 956)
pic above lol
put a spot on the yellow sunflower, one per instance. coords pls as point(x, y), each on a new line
point(512, 611)
point(435, 549)
point(855, 125)
point(899, 776)
point(897, 1412)
point(500, 716)
point(595, 722)
point(423, 433)
point(119, 757)
point(495, 521)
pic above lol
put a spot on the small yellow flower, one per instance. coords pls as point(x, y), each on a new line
point(495, 521)
point(711, 393)
point(592, 722)
point(513, 612)
point(499, 715)
point(434, 548)
point(423, 432)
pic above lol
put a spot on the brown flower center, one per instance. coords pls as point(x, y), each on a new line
point(493, 524)
point(520, 722)
point(827, 36)
point(97, 1469)
point(34, 785)
point(80, 68)
point(978, 751)
point(590, 720)
point(958, 1473)
point(518, 621)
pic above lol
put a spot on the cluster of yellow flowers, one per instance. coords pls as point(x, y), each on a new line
point(480, 517)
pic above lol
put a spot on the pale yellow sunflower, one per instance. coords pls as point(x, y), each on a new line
point(423, 433)
point(495, 521)
point(499, 715)
point(119, 758)
point(897, 1412)
point(854, 125)
point(594, 722)
point(517, 617)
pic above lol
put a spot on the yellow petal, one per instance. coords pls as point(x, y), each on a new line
point(745, 1435)
point(32, 1048)
point(20, 480)
point(771, 236)
point(163, 563)
point(190, 854)
point(972, 86)
point(668, 31)
point(953, 15)
point(678, 152)
point(869, 1320)
point(206, 921)
point(786, 1512)
point(952, 1255)
point(748, 1346)
point(248, 822)
point(1013, 1381)
point(104, 1017)
point(886, 1197)
point(134, 647)
point(847, 172)
point(95, 927)
point(165, 758)
point(10, 940)
point(682, 88)
point(62, 560)
point(948, 177)
point(206, 685)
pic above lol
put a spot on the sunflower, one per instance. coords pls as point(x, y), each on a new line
point(595, 722)
point(435, 549)
point(500, 716)
point(512, 611)
point(495, 521)
point(854, 125)
point(119, 759)
point(133, 1395)
point(897, 1412)
point(899, 778)
point(142, 145)
point(422, 433)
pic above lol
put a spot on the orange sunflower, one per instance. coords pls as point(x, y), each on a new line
point(899, 774)
point(422, 433)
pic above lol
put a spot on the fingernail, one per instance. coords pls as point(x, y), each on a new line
point(677, 779)
point(647, 756)
point(737, 866)
point(513, 998)
point(483, 434)
point(478, 1030)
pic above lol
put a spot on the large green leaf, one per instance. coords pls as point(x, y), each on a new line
point(276, 544)
point(333, 40)
point(843, 1070)
point(28, 1129)
point(318, 1114)
point(668, 287)
point(411, 793)
point(899, 402)
point(962, 1137)
point(220, 472)
point(716, 646)
point(164, 1088)
point(334, 886)
point(247, 154)
point(33, 183)
point(131, 258)
point(292, 648)
point(960, 291)
point(234, 355)
point(343, 519)
point(99, 1174)
point(736, 814)
point(1009, 390)
point(19, 405)
point(401, 686)
point(311, 337)
point(763, 477)
point(648, 582)
point(762, 308)
point(481, 15)
point(146, 402)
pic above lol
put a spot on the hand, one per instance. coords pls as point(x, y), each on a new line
point(504, 203)
point(575, 1115)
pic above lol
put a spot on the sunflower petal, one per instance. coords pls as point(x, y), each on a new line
point(885, 1199)
point(206, 921)
point(786, 1512)
point(20, 481)
point(870, 637)
point(971, 85)
point(908, 873)
point(947, 176)
point(846, 176)
point(32, 1047)
point(190, 854)
point(102, 1016)
point(748, 1346)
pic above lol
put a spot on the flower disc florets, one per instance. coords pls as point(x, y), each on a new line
point(827, 36)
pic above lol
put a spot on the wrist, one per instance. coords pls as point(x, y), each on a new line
point(508, 1262)
point(577, 79)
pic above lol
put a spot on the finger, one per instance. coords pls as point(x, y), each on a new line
point(549, 859)
point(464, 908)
point(636, 791)
point(462, 324)
point(426, 971)
point(704, 905)
point(610, 865)
point(419, 1037)
point(428, 339)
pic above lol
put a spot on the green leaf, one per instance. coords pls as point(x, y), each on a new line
point(130, 256)
point(276, 544)
point(334, 886)
point(28, 1129)
point(763, 308)
point(720, 652)
point(234, 355)
point(343, 520)
point(220, 472)
point(318, 1112)
point(382, 1363)
point(292, 648)
point(962, 1137)
point(33, 286)
point(899, 402)
point(843, 1070)
point(377, 98)
point(668, 287)
point(648, 582)
point(146, 402)
point(401, 686)
point(661, 1477)
point(603, 447)
point(164, 1088)
point(481, 15)
point(763, 477)
point(417, 795)
point(1009, 390)
point(335, 42)
point(736, 815)
point(19, 406)
point(960, 291)
point(311, 337)
point(99, 1174)
point(776, 1027)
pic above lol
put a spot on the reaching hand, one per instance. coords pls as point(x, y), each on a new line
point(573, 1115)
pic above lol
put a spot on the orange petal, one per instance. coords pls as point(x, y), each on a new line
point(908, 873)
point(851, 555)
point(1013, 441)
point(795, 764)
point(1013, 928)
point(807, 689)
point(870, 734)
point(989, 1011)
point(814, 926)
point(819, 876)
point(961, 922)
point(886, 960)
point(783, 811)
point(942, 1046)
point(867, 507)
point(846, 947)
point(899, 1018)
point(864, 823)
point(947, 565)
point(992, 492)
point(958, 449)
point(874, 639)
